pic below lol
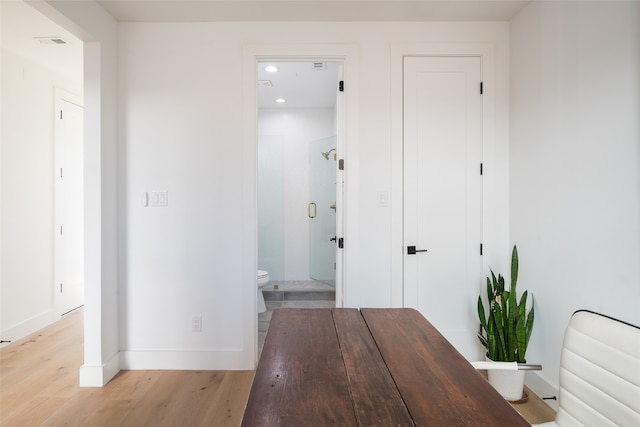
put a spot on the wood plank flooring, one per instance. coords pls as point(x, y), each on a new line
point(39, 387)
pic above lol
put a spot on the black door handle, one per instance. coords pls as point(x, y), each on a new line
point(411, 250)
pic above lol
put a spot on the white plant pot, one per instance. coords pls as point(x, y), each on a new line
point(509, 384)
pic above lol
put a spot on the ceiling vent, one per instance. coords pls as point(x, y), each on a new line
point(51, 40)
point(319, 66)
point(265, 83)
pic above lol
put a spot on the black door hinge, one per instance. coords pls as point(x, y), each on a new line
point(340, 243)
point(341, 86)
point(481, 248)
point(341, 164)
point(481, 169)
point(481, 88)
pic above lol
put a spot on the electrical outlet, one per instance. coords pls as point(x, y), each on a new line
point(196, 324)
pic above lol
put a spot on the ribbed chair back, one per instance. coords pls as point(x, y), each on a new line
point(599, 373)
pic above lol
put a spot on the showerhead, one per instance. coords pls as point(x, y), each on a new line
point(326, 154)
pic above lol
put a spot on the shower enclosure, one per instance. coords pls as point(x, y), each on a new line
point(297, 226)
point(322, 226)
point(271, 206)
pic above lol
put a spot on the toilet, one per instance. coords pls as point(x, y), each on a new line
point(263, 279)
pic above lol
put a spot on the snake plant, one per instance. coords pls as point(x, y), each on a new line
point(508, 325)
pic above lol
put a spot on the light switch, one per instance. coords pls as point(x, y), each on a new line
point(383, 198)
point(158, 198)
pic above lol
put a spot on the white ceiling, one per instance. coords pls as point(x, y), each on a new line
point(20, 24)
point(298, 83)
point(311, 10)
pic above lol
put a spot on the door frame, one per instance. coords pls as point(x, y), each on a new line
point(346, 131)
point(491, 237)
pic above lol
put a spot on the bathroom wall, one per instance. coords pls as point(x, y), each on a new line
point(283, 187)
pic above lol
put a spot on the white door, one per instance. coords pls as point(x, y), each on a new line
point(69, 207)
point(442, 194)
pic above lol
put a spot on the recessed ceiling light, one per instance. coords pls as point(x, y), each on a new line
point(271, 68)
point(281, 100)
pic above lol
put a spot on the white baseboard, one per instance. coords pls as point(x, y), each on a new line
point(99, 375)
point(187, 360)
point(540, 386)
point(27, 327)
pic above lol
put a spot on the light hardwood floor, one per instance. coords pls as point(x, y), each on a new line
point(39, 387)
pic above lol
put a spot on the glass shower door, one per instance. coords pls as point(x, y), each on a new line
point(271, 203)
point(322, 210)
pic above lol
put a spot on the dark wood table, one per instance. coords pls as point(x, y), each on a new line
point(369, 367)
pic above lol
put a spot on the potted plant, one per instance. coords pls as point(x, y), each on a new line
point(505, 329)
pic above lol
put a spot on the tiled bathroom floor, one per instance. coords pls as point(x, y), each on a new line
point(297, 285)
point(294, 294)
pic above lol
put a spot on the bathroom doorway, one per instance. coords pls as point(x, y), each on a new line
point(297, 170)
point(298, 187)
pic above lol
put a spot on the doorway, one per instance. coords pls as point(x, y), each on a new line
point(442, 193)
point(297, 170)
point(297, 183)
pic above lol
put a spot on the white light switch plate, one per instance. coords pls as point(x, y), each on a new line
point(383, 198)
point(158, 198)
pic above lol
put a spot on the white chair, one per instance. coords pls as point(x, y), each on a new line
point(599, 373)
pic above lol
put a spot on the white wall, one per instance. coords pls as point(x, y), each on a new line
point(98, 31)
point(295, 128)
point(575, 164)
point(183, 123)
point(27, 205)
